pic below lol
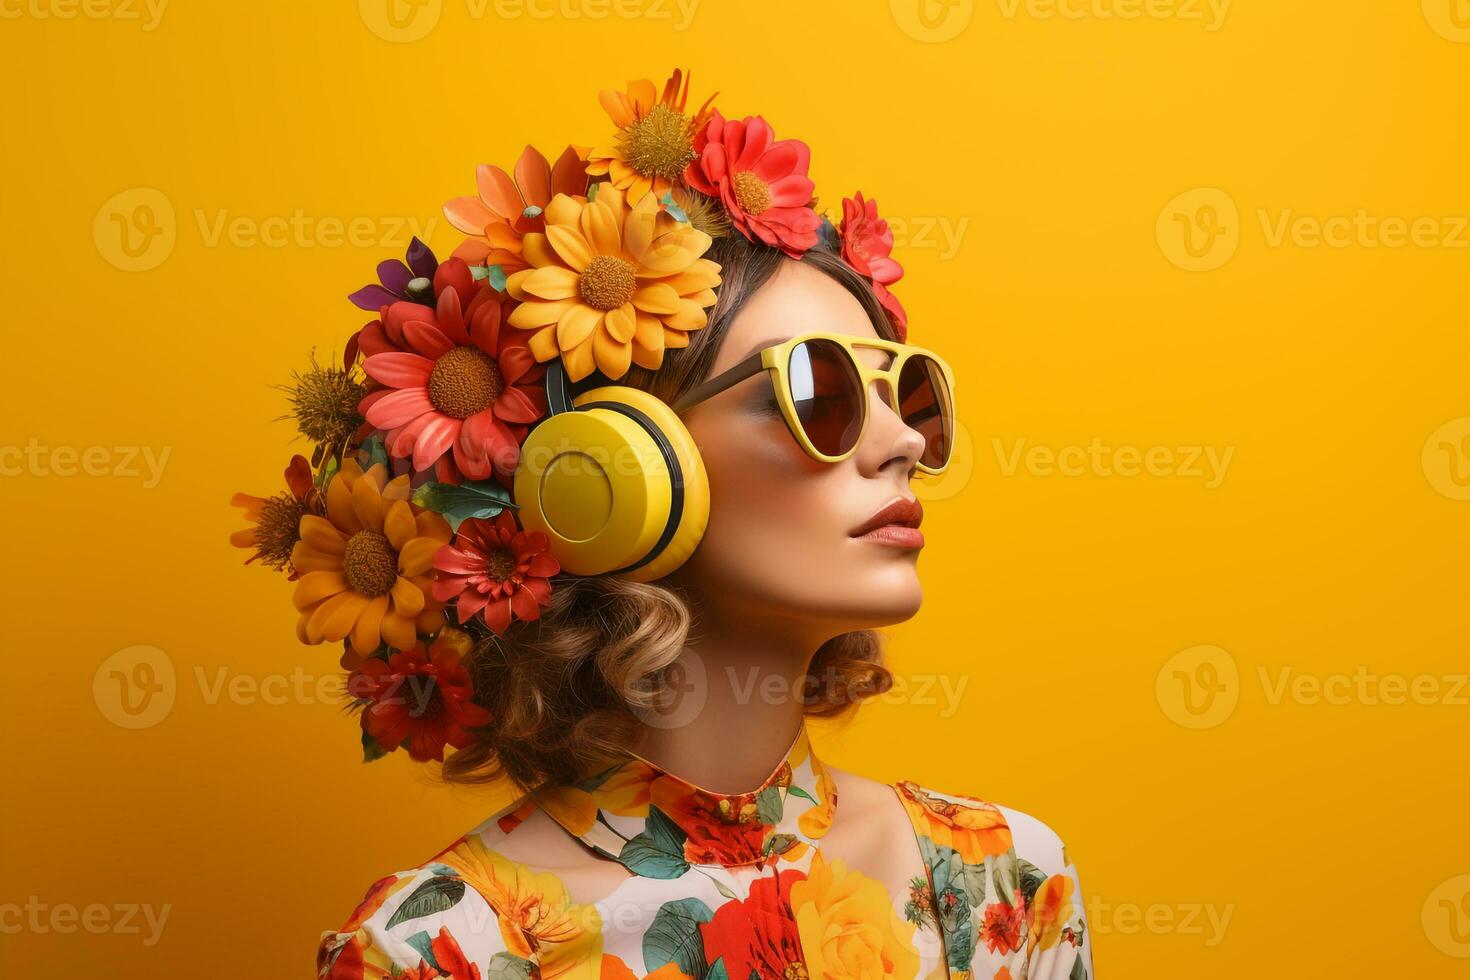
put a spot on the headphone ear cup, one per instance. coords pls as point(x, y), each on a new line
point(617, 485)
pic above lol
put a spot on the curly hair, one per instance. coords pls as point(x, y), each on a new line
point(565, 689)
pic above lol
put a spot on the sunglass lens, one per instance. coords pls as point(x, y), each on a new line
point(924, 404)
point(828, 394)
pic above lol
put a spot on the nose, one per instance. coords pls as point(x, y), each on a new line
point(889, 442)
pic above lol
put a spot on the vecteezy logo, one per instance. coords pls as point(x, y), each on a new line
point(932, 21)
point(1446, 917)
point(683, 692)
point(1199, 229)
point(1446, 459)
point(135, 687)
point(400, 21)
point(1198, 687)
point(1449, 18)
point(135, 230)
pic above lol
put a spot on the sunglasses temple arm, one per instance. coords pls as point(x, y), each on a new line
point(727, 379)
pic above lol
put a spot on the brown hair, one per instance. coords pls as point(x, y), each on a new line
point(563, 689)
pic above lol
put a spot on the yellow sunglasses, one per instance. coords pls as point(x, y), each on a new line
point(821, 386)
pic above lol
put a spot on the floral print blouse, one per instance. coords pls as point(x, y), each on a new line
point(724, 886)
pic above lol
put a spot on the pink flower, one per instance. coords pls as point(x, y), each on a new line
point(495, 570)
point(866, 246)
point(762, 181)
point(452, 383)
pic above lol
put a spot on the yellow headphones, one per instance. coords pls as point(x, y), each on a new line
point(614, 479)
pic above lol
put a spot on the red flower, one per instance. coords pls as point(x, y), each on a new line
point(420, 697)
point(719, 829)
point(757, 936)
point(1002, 926)
point(496, 571)
point(762, 181)
point(453, 963)
point(453, 384)
point(866, 246)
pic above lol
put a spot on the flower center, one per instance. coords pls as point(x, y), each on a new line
point(324, 403)
point(752, 193)
point(419, 691)
point(464, 381)
point(500, 565)
point(370, 564)
point(659, 144)
point(278, 529)
point(608, 282)
point(421, 290)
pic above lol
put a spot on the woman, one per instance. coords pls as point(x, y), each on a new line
point(650, 697)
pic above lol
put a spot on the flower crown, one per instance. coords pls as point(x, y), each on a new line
point(400, 531)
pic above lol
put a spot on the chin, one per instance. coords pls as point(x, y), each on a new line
point(887, 596)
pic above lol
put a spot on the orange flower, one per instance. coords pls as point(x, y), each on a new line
point(1049, 911)
point(655, 138)
point(612, 285)
point(976, 830)
point(536, 917)
point(507, 209)
point(277, 519)
point(365, 565)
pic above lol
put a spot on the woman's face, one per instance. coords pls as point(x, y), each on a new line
point(780, 542)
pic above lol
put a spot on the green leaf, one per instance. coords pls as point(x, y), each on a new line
point(658, 852)
point(374, 451)
point(674, 937)
point(674, 211)
point(717, 971)
point(1032, 878)
point(798, 791)
point(508, 966)
point(434, 895)
point(328, 470)
point(1005, 876)
point(1079, 970)
point(458, 503)
point(643, 857)
point(372, 749)
point(778, 844)
point(666, 834)
point(768, 805)
point(494, 274)
point(424, 946)
point(957, 886)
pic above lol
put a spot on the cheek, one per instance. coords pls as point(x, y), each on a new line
point(763, 487)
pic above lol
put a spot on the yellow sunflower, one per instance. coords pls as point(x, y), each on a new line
point(365, 566)
point(655, 138)
point(611, 285)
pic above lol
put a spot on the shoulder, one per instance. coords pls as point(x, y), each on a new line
point(444, 911)
point(978, 828)
point(1010, 879)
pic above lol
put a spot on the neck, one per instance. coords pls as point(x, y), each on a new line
point(738, 704)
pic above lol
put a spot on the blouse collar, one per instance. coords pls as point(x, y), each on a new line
point(657, 823)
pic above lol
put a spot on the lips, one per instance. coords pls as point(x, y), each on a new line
point(901, 512)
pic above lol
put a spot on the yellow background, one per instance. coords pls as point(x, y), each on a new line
point(1050, 143)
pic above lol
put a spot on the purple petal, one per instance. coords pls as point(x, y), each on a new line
point(372, 298)
point(394, 275)
point(421, 259)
